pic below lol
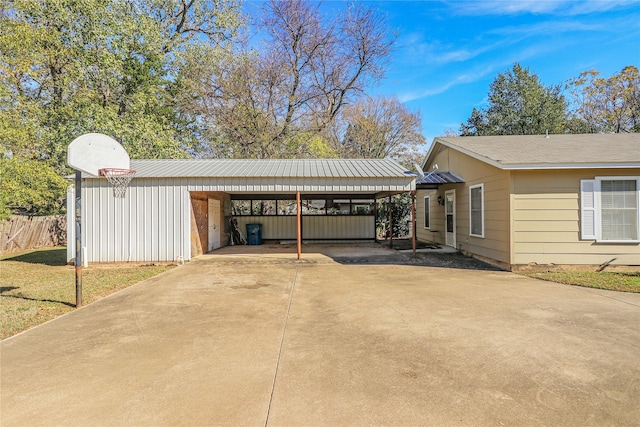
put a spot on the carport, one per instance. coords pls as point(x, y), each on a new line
point(178, 209)
point(294, 201)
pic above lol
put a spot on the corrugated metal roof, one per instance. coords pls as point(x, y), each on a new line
point(439, 178)
point(298, 168)
point(554, 151)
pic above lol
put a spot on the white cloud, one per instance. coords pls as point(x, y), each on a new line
point(537, 7)
point(456, 81)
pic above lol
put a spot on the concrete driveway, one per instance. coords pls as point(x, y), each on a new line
point(265, 340)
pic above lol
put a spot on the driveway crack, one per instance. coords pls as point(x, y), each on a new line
point(284, 331)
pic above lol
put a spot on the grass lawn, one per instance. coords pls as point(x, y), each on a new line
point(38, 285)
point(610, 280)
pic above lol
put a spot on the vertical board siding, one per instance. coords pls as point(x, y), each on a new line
point(150, 224)
point(546, 220)
point(338, 227)
point(313, 227)
point(273, 227)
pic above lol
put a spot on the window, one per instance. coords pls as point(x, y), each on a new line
point(315, 207)
point(476, 210)
point(427, 212)
point(609, 210)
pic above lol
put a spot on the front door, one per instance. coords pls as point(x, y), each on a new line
point(450, 217)
point(214, 225)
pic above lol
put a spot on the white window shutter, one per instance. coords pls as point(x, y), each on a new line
point(588, 209)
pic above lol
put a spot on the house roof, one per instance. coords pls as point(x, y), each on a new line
point(292, 168)
point(563, 151)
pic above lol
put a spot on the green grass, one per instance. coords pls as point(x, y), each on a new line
point(37, 286)
point(610, 280)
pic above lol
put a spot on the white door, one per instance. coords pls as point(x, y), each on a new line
point(450, 217)
point(214, 225)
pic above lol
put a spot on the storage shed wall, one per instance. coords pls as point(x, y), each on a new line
point(151, 224)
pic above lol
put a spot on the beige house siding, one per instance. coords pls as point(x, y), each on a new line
point(546, 220)
point(495, 243)
point(424, 234)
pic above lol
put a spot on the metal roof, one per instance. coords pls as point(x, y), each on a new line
point(293, 168)
point(434, 179)
point(550, 152)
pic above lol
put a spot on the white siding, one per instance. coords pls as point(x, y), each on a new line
point(150, 224)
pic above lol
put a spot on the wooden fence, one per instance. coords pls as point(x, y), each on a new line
point(19, 233)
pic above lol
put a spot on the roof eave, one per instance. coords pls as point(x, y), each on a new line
point(542, 166)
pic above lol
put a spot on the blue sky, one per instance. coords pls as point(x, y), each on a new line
point(448, 52)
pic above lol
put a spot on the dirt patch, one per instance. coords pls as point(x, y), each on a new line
point(451, 260)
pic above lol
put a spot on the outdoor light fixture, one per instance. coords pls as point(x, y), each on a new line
point(441, 200)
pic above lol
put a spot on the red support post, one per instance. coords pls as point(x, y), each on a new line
point(413, 222)
point(299, 221)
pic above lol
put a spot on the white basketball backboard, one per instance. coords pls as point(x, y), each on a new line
point(94, 151)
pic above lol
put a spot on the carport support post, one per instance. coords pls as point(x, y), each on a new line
point(78, 215)
point(413, 222)
point(299, 222)
point(390, 224)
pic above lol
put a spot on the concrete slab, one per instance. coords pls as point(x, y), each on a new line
point(241, 339)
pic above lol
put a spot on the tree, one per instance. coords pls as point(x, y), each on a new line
point(380, 127)
point(519, 105)
point(401, 216)
point(275, 101)
point(112, 66)
point(607, 105)
point(30, 187)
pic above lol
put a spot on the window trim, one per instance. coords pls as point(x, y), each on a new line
point(473, 187)
point(598, 207)
point(426, 220)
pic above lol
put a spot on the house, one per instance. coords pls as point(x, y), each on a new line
point(518, 200)
point(178, 209)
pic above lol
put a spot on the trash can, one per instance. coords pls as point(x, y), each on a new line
point(254, 234)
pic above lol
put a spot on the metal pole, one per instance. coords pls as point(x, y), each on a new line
point(299, 221)
point(78, 214)
point(390, 224)
point(413, 222)
point(375, 221)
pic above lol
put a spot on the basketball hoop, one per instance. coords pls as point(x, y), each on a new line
point(119, 179)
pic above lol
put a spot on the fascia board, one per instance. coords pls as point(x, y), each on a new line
point(535, 166)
